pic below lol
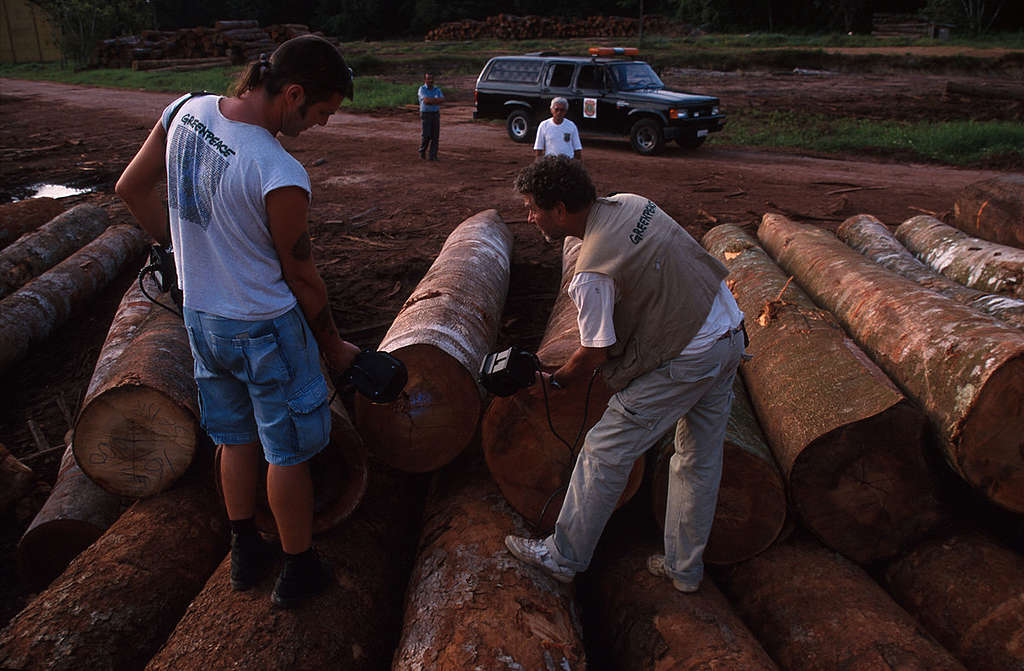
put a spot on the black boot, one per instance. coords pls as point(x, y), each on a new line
point(302, 576)
point(250, 557)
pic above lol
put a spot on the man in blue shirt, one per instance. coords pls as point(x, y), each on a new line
point(430, 115)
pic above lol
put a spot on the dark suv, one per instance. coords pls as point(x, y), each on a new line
point(607, 96)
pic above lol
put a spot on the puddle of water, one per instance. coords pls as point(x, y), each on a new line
point(55, 191)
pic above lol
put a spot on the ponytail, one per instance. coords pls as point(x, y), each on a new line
point(309, 61)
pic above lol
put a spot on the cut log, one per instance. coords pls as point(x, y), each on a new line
point(751, 507)
point(973, 262)
point(987, 91)
point(26, 215)
point(115, 604)
point(442, 334)
point(968, 592)
point(16, 480)
point(469, 603)
point(872, 239)
point(992, 210)
point(965, 369)
point(339, 473)
point(529, 462)
point(136, 432)
point(639, 622)
point(195, 63)
point(354, 625)
point(814, 611)
point(77, 512)
point(36, 310)
point(850, 445)
point(51, 243)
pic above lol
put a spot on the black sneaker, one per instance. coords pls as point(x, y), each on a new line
point(250, 558)
point(301, 577)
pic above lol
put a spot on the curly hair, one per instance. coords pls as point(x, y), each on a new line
point(557, 179)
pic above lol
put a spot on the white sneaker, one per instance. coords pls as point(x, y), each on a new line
point(532, 551)
point(656, 566)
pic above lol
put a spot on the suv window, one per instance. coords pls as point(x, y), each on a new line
point(590, 77)
point(561, 75)
point(526, 72)
point(635, 76)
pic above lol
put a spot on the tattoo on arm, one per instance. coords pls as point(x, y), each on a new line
point(323, 323)
point(303, 247)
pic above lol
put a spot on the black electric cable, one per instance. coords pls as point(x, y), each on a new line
point(145, 272)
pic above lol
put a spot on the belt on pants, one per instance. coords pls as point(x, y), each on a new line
point(739, 329)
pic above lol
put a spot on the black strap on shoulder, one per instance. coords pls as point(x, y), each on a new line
point(177, 108)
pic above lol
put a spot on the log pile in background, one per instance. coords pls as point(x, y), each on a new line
point(237, 41)
point(509, 27)
point(993, 210)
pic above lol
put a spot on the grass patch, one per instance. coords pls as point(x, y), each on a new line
point(953, 143)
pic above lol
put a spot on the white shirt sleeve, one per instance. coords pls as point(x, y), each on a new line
point(594, 296)
point(538, 144)
point(576, 144)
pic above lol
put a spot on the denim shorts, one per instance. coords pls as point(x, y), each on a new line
point(261, 380)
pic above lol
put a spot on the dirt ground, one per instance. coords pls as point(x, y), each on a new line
point(379, 215)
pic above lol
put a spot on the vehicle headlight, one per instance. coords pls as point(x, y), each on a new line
point(678, 114)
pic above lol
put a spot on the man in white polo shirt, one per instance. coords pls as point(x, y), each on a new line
point(558, 135)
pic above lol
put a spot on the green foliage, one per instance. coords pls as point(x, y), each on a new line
point(82, 23)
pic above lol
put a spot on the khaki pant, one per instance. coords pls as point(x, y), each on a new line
point(697, 387)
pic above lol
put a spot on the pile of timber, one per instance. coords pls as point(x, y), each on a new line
point(227, 42)
point(509, 27)
point(900, 25)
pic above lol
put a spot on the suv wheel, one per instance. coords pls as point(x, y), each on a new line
point(691, 142)
point(646, 137)
point(520, 125)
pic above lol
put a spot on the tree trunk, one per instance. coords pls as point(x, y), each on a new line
point(77, 513)
point(850, 445)
point(36, 310)
point(872, 239)
point(442, 334)
point(353, 625)
point(814, 611)
point(136, 432)
point(993, 210)
point(968, 592)
point(50, 244)
point(469, 603)
point(339, 473)
point(973, 262)
point(22, 216)
point(987, 91)
point(529, 463)
point(965, 369)
point(16, 480)
point(638, 622)
point(751, 508)
point(116, 603)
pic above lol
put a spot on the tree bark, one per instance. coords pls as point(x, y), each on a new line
point(872, 239)
point(968, 592)
point(354, 625)
point(965, 369)
point(973, 262)
point(751, 508)
point(470, 604)
point(35, 311)
point(639, 622)
point(442, 334)
point(115, 604)
point(50, 244)
point(136, 432)
point(22, 216)
point(339, 473)
point(529, 462)
point(16, 480)
point(850, 445)
point(993, 210)
point(77, 513)
point(814, 611)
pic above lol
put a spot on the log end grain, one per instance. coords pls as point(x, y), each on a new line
point(134, 441)
point(431, 422)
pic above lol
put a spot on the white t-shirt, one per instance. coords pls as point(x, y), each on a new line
point(219, 172)
point(594, 296)
point(563, 138)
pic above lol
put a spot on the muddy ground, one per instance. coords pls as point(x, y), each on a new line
point(379, 214)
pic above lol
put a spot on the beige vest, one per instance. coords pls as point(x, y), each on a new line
point(665, 281)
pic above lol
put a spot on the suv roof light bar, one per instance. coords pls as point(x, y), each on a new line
point(614, 51)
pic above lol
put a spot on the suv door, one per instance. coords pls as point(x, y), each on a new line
point(558, 82)
point(593, 90)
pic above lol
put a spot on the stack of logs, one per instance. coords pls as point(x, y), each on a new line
point(508, 27)
point(227, 43)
